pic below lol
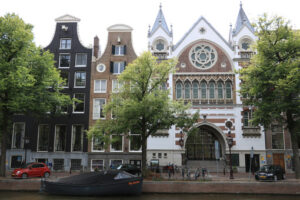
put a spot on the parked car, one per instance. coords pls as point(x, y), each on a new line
point(132, 169)
point(270, 172)
point(32, 170)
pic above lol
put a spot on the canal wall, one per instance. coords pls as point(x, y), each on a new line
point(212, 187)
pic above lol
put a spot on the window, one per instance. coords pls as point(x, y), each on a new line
point(220, 90)
point(60, 137)
point(247, 118)
point(153, 155)
point(77, 137)
point(43, 137)
point(165, 155)
point(100, 86)
point(98, 144)
point(81, 60)
point(119, 50)
point(97, 165)
point(195, 90)
point(178, 90)
point(64, 60)
point(203, 56)
point(135, 143)
point(65, 77)
point(115, 163)
point(18, 136)
point(98, 106)
point(75, 164)
point(211, 90)
point(58, 164)
point(65, 43)
point(116, 143)
point(277, 137)
point(118, 67)
point(16, 162)
point(80, 79)
point(79, 106)
point(203, 90)
point(160, 45)
point(187, 90)
point(159, 155)
point(116, 85)
point(228, 90)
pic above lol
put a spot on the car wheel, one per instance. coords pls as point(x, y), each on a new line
point(24, 175)
point(46, 175)
point(275, 178)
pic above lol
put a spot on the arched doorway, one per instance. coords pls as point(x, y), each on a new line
point(205, 144)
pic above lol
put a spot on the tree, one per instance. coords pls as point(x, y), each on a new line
point(29, 82)
point(142, 106)
point(272, 81)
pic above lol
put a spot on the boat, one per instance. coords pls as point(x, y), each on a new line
point(103, 183)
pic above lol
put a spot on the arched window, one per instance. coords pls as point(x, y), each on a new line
point(178, 90)
point(211, 90)
point(187, 90)
point(220, 90)
point(228, 90)
point(195, 90)
point(203, 90)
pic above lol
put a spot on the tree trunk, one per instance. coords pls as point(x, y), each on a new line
point(4, 143)
point(294, 138)
point(144, 154)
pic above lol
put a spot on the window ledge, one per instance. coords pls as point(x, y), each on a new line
point(251, 132)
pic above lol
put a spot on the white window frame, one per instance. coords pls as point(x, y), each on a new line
point(79, 112)
point(37, 146)
point(140, 150)
point(81, 137)
point(67, 85)
point(76, 59)
point(122, 149)
point(54, 149)
point(13, 139)
point(75, 86)
point(59, 61)
point(100, 81)
point(60, 47)
point(119, 67)
point(93, 146)
point(283, 138)
point(118, 50)
point(114, 159)
point(94, 114)
point(97, 159)
point(116, 89)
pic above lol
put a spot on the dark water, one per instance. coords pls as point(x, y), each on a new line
point(38, 196)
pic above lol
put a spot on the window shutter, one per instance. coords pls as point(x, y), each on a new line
point(113, 49)
point(124, 65)
point(124, 49)
point(111, 67)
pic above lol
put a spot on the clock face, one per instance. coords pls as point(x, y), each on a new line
point(100, 67)
point(203, 56)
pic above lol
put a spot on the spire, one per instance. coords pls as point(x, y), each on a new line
point(242, 20)
point(160, 22)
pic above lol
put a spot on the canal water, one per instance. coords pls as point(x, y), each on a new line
point(10, 195)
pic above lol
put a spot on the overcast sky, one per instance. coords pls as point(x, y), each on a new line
point(97, 15)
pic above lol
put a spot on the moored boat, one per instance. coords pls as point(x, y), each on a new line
point(95, 184)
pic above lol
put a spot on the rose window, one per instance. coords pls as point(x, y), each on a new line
point(203, 56)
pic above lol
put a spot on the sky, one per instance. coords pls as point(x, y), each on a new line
point(97, 15)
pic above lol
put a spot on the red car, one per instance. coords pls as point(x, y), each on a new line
point(32, 170)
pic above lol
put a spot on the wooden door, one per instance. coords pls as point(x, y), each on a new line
point(278, 159)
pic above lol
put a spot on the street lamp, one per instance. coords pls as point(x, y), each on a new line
point(27, 141)
point(181, 142)
point(230, 143)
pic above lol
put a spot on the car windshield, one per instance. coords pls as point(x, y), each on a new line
point(25, 165)
point(265, 168)
point(119, 167)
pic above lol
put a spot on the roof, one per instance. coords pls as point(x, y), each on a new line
point(67, 18)
point(119, 28)
point(160, 22)
point(242, 20)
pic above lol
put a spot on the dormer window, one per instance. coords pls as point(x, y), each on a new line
point(65, 43)
point(119, 50)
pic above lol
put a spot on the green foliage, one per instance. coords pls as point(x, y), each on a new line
point(272, 81)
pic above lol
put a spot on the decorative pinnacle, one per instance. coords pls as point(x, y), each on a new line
point(241, 4)
point(160, 6)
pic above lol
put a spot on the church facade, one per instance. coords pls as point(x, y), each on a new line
point(206, 79)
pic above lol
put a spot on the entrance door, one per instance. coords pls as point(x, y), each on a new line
point(254, 162)
point(278, 159)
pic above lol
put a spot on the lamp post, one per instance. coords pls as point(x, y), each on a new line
point(230, 143)
point(27, 140)
point(181, 142)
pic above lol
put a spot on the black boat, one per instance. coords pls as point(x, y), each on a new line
point(95, 184)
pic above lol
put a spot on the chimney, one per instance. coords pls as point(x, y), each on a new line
point(96, 46)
